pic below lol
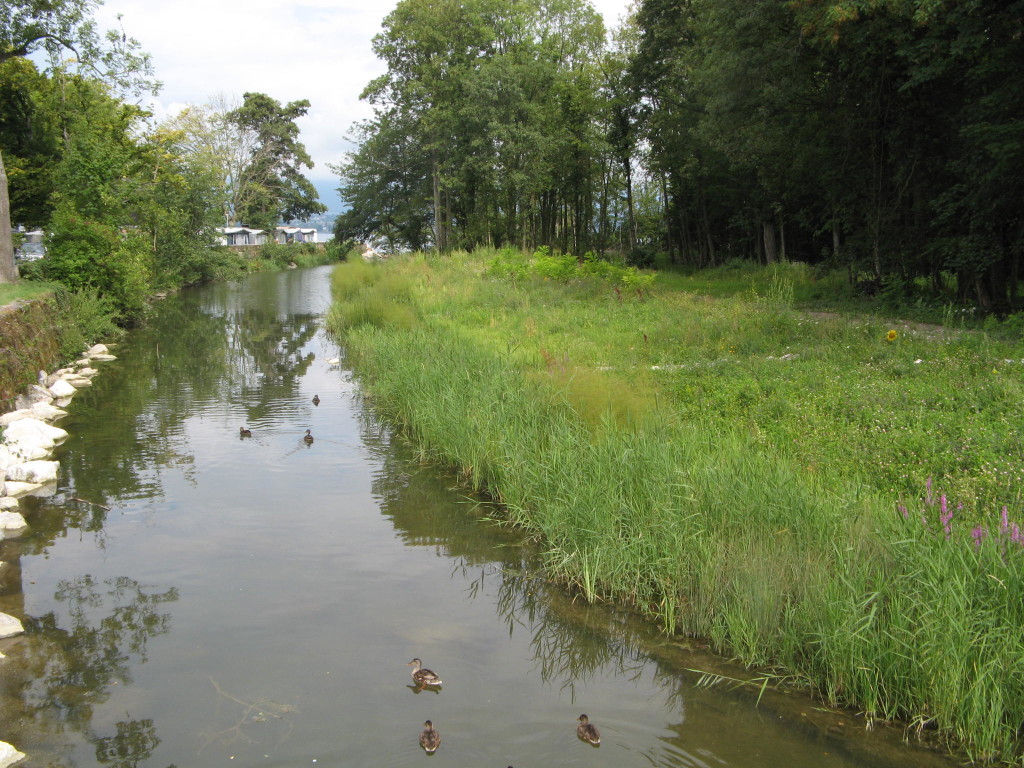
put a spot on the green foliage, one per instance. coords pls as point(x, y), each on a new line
point(84, 253)
point(484, 129)
point(509, 264)
point(62, 26)
point(84, 317)
point(272, 186)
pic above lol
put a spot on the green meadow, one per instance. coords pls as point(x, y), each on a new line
point(825, 495)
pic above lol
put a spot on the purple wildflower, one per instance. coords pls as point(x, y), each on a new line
point(1015, 535)
point(945, 517)
point(978, 534)
point(1005, 528)
point(903, 511)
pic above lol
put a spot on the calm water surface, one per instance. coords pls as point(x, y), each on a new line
point(193, 598)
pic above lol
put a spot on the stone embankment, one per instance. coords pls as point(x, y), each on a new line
point(27, 444)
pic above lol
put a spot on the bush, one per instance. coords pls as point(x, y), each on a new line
point(84, 318)
point(84, 253)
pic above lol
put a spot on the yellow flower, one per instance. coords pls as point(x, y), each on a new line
point(891, 336)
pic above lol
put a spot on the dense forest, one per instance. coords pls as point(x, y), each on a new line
point(880, 137)
point(129, 204)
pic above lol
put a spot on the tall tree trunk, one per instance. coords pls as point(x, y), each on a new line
point(439, 233)
point(782, 240)
point(630, 218)
point(8, 270)
point(768, 228)
point(667, 214)
point(835, 240)
point(709, 240)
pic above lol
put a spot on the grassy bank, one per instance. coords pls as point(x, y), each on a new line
point(813, 494)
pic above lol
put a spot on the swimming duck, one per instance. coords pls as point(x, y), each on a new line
point(586, 731)
point(316, 399)
point(243, 432)
point(423, 676)
point(430, 739)
point(307, 438)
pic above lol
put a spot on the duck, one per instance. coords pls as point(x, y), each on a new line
point(587, 731)
point(243, 432)
point(308, 438)
point(430, 739)
point(316, 399)
point(423, 676)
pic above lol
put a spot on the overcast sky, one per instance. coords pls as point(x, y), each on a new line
point(309, 49)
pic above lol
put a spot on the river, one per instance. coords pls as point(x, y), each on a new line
point(197, 598)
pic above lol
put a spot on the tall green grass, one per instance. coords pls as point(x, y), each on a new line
point(729, 497)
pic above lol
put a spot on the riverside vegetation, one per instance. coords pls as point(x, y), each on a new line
point(833, 499)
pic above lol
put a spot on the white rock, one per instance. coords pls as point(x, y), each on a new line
point(41, 411)
point(82, 362)
point(17, 490)
point(47, 412)
point(7, 458)
point(61, 389)
point(12, 525)
point(35, 394)
point(77, 381)
point(9, 627)
point(103, 358)
point(21, 453)
point(97, 349)
point(33, 472)
point(50, 380)
point(90, 372)
point(33, 432)
point(21, 413)
point(9, 755)
point(7, 503)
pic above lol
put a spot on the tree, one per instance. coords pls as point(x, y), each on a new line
point(386, 183)
point(8, 271)
point(500, 98)
point(67, 25)
point(271, 186)
point(57, 26)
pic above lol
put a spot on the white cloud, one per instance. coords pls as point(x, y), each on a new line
point(318, 50)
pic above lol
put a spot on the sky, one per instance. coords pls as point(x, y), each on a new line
point(318, 50)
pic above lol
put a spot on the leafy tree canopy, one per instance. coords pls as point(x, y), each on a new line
point(63, 27)
point(272, 182)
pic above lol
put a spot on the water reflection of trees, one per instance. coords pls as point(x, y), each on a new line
point(73, 662)
point(199, 348)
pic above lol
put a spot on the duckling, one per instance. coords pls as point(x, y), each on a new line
point(423, 676)
point(430, 739)
point(308, 438)
point(243, 432)
point(316, 399)
point(586, 731)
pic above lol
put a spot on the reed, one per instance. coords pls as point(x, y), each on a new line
point(728, 498)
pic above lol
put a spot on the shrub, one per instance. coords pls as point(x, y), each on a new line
point(84, 253)
point(84, 318)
